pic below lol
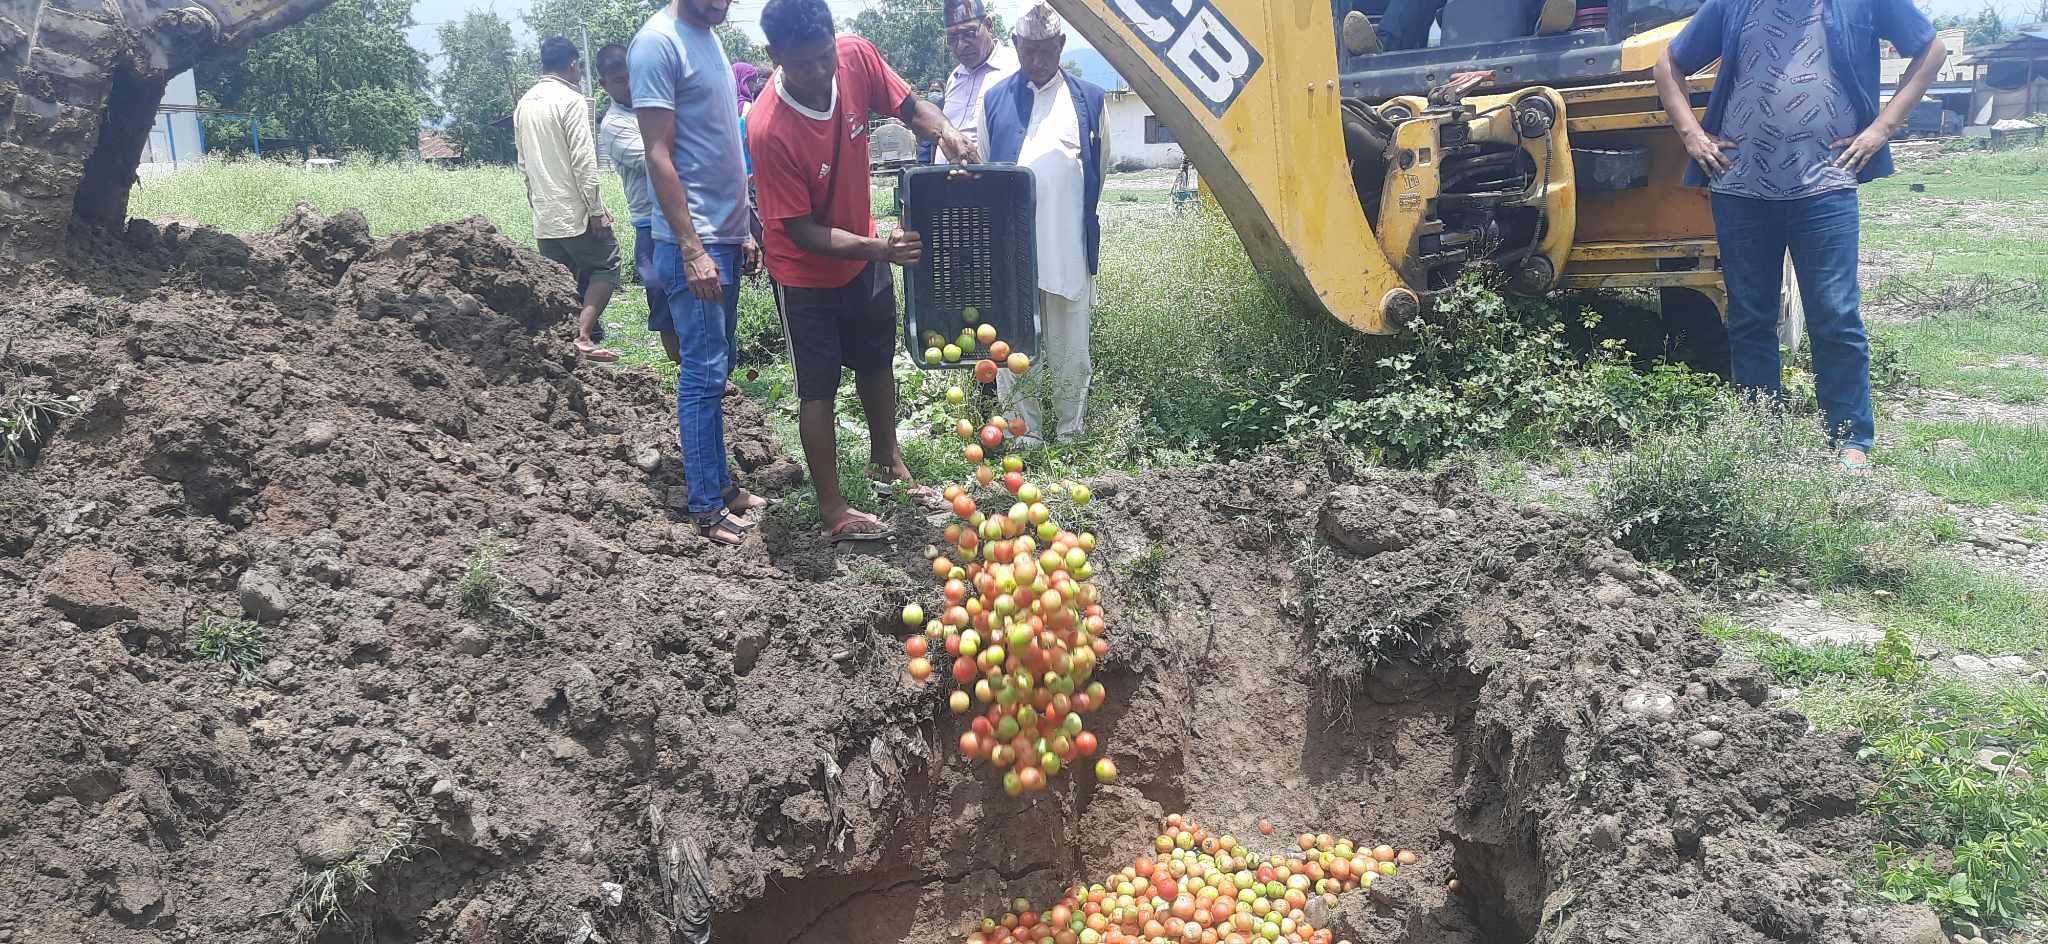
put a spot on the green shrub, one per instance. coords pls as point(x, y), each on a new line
point(1746, 490)
point(235, 644)
point(1989, 810)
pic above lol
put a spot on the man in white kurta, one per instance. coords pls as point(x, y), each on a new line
point(1052, 148)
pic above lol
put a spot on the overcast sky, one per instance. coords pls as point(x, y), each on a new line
point(431, 13)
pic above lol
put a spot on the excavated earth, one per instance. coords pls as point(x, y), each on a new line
point(316, 431)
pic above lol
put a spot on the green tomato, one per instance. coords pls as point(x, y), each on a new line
point(970, 314)
point(933, 355)
point(955, 395)
point(951, 352)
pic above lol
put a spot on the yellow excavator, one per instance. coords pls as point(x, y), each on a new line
point(1530, 138)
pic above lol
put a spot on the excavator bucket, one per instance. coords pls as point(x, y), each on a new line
point(80, 82)
point(1249, 88)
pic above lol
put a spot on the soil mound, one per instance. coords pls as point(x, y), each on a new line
point(504, 693)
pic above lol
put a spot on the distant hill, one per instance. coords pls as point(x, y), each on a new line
point(1095, 69)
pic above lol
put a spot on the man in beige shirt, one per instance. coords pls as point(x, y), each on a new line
point(552, 129)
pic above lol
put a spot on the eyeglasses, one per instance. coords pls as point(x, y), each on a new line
point(965, 35)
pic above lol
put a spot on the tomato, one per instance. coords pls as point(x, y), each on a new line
point(951, 353)
point(958, 702)
point(1027, 493)
point(1032, 778)
point(1013, 463)
point(964, 429)
point(985, 371)
point(1085, 744)
point(1018, 363)
point(934, 355)
point(920, 668)
point(916, 646)
point(999, 351)
point(963, 506)
point(912, 615)
point(991, 436)
point(1105, 771)
point(955, 396)
point(986, 334)
point(1017, 427)
point(973, 452)
point(1013, 784)
point(963, 670)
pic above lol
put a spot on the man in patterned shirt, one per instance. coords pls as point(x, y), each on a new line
point(1792, 127)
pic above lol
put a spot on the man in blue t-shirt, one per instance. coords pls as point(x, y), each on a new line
point(684, 97)
point(1792, 127)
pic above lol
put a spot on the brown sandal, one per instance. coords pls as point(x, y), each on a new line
point(711, 524)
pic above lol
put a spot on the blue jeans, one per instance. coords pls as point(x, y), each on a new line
point(707, 339)
point(1821, 232)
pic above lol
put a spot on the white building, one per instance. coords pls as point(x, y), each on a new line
point(176, 140)
point(1136, 136)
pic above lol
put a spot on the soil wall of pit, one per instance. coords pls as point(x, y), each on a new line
point(315, 430)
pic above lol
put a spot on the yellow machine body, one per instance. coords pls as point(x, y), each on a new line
point(1252, 92)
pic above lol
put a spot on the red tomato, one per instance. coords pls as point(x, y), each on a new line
point(963, 505)
point(1017, 427)
point(985, 370)
point(1085, 743)
point(970, 744)
point(916, 646)
point(991, 436)
point(963, 670)
point(999, 351)
point(1013, 481)
point(973, 452)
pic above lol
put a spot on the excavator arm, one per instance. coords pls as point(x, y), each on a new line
point(1564, 174)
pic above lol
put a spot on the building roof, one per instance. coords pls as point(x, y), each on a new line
point(435, 146)
point(2030, 45)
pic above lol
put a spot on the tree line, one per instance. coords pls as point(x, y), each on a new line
point(347, 80)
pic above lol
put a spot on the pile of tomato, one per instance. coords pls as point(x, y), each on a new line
point(1021, 628)
point(1201, 889)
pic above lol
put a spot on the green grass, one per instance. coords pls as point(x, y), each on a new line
point(236, 644)
point(2016, 176)
point(1978, 463)
point(1946, 601)
point(1959, 351)
point(1969, 841)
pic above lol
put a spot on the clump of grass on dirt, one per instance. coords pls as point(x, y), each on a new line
point(236, 644)
point(25, 418)
point(483, 594)
point(327, 898)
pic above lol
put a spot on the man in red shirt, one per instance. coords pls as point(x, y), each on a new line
point(808, 134)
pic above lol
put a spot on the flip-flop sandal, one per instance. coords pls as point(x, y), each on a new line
point(746, 498)
point(1852, 467)
point(596, 355)
point(709, 526)
point(840, 534)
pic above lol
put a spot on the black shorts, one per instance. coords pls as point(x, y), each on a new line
point(852, 326)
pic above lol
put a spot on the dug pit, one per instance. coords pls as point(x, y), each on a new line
point(633, 735)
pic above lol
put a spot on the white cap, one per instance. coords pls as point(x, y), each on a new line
point(1039, 23)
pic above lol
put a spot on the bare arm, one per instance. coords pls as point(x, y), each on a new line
point(809, 235)
point(1704, 148)
point(1860, 148)
point(929, 124)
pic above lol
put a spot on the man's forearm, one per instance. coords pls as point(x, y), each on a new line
point(1920, 75)
point(814, 237)
point(1677, 101)
point(925, 119)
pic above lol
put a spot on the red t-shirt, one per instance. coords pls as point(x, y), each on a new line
point(808, 164)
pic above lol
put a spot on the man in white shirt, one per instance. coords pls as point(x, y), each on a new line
point(971, 37)
point(551, 127)
point(1052, 122)
point(618, 137)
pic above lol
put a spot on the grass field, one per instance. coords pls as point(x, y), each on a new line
point(1198, 357)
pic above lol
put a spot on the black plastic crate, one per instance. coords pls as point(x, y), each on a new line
point(980, 252)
